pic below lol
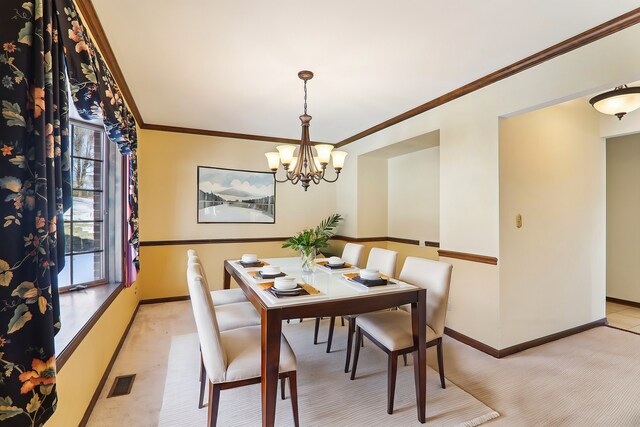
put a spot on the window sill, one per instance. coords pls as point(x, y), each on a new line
point(79, 311)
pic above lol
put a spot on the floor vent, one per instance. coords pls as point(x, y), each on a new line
point(122, 385)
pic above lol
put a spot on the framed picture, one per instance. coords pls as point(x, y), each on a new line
point(236, 196)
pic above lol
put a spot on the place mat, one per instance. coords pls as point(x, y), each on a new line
point(382, 281)
point(307, 290)
point(339, 267)
point(352, 275)
point(253, 264)
point(258, 275)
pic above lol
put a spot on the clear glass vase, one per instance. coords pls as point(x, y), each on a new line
point(308, 256)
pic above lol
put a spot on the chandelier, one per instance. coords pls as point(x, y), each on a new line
point(617, 102)
point(306, 167)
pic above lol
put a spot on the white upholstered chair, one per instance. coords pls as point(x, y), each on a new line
point(391, 330)
point(379, 259)
point(351, 254)
point(220, 296)
point(231, 358)
point(231, 315)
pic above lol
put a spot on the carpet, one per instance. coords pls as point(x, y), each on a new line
point(326, 395)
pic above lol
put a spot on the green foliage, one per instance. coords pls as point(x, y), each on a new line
point(316, 238)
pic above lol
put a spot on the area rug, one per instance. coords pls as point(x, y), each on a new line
point(326, 395)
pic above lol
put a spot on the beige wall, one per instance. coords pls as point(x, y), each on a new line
point(469, 180)
point(414, 195)
point(552, 270)
point(168, 206)
point(623, 217)
point(79, 377)
point(372, 196)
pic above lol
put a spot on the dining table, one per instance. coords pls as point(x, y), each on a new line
point(332, 294)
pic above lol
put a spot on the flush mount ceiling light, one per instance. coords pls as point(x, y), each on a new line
point(306, 167)
point(617, 102)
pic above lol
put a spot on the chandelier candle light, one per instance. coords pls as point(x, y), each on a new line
point(306, 167)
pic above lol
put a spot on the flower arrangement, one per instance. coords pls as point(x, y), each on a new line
point(309, 241)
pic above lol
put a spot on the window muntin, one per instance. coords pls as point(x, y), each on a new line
point(86, 235)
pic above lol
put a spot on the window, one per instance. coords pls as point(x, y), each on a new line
point(86, 223)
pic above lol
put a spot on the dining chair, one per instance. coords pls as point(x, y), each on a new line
point(232, 358)
point(392, 330)
point(379, 259)
point(231, 315)
point(351, 254)
point(219, 296)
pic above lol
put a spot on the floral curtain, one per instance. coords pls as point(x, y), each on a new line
point(34, 192)
point(97, 96)
point(41, 41)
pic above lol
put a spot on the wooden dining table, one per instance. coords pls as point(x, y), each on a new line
point(336, 297)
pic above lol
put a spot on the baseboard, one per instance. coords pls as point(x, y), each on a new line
point(464, 339)
point(624, 302)
point(167, 299)
point(103, 380)
point(525, 345)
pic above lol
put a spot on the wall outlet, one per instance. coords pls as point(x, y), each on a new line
point(421, 243)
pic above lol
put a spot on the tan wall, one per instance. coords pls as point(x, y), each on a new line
point(623, 217)
point(168, 207)
point(79, 377)
point(372, 196)
point(414, 195)
point(552, 270)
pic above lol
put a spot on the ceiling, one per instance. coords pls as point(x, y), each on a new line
point(232, 66)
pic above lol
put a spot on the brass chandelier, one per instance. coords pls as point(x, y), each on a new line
point(306, 167)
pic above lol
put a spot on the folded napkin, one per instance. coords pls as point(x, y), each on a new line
point(258, 275)
point(253, 264)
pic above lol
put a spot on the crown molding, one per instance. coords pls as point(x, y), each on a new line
point(596, 33)
point(92, 22)
point(575, 42)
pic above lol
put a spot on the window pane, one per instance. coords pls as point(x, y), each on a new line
point(87, 143)
point(87, 205)
point(87, 174)
point(87, 268)
point(64, 277)
point(87, 236)
point(67, 237)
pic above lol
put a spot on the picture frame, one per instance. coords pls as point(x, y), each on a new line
point(235, 196)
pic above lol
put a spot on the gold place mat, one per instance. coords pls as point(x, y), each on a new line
point(307, 287)
point(326, 263)
point(352, 275)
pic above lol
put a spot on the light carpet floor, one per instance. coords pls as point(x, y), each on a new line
point(588, 379)
point(162, 349)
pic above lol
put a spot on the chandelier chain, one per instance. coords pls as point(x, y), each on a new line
point(305, 97)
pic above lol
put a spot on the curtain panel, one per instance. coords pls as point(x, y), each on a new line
point(41, 42)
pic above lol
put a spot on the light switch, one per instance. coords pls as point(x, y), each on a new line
point(519, 221)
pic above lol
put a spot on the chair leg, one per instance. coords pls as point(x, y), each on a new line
point(441, 363)
point(352, 330)
point(342, 320)
point(315, 332)
point(214, 401)
point(293, 390)
point(391, 380)
point(357, 353)
point(282, 381)
point(203, 380)
point(404, 357)
point(332, 325)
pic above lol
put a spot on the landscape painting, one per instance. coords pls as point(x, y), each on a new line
point(229, 195)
